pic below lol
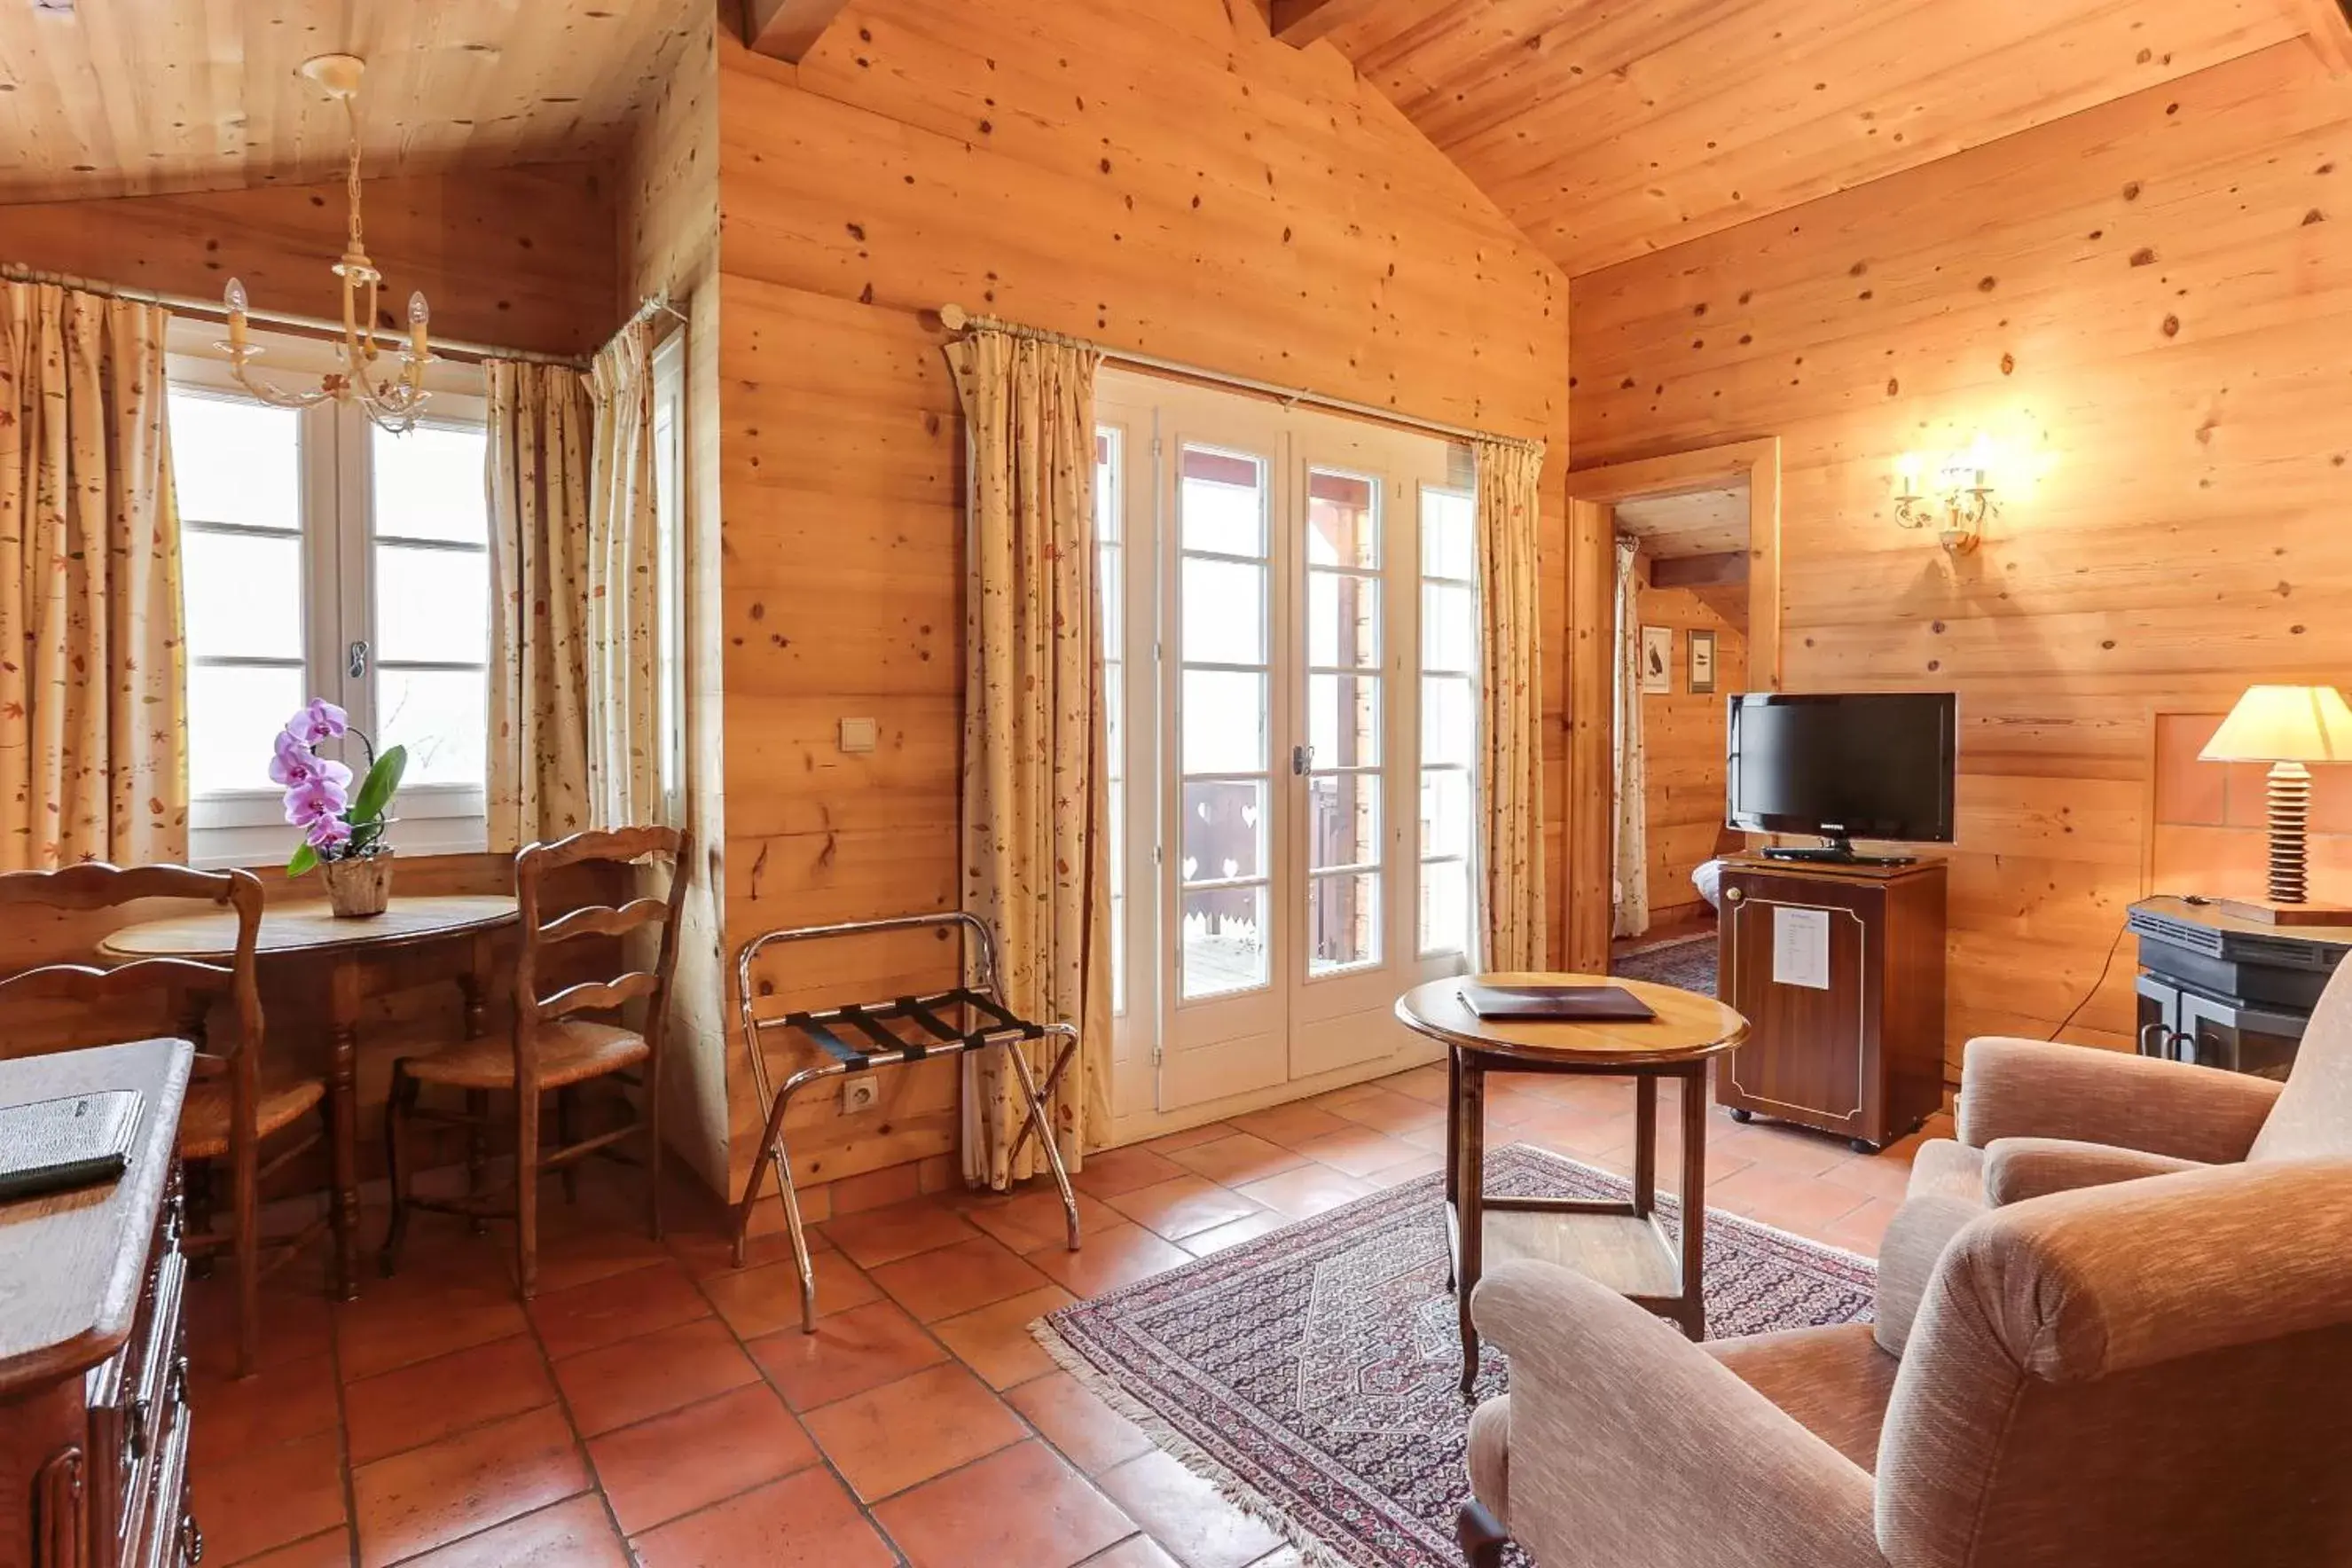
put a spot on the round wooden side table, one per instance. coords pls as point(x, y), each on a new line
point(1620, 1244)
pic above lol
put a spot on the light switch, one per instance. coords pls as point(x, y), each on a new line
point(858, 734)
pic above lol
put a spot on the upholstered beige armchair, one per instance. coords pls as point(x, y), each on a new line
point(2155, 1373)
point(2037, 1118)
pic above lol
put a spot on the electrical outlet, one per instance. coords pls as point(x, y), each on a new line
point(860, 1091)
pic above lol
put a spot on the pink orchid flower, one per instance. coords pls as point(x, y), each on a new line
point(319, 721)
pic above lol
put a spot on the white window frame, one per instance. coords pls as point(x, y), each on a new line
point(248, 827)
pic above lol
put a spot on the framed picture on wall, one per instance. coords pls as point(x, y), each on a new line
point(1658, 660)
point(1702, 661)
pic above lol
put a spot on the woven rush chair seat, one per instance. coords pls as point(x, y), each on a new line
point(569, 1052)
point(204, 1118)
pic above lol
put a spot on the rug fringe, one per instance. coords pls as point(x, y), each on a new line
point(1313, 1550)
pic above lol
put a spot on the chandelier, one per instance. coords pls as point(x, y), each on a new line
point(392, 400)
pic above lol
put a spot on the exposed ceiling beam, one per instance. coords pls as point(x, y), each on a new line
point(1299, 23)
point(2329, 30)
point(787, 30)
point(1700, 570)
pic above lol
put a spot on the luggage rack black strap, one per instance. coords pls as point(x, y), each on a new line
point(1005, 1020)
point(869, 1021)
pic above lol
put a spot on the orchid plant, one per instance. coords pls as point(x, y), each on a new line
point(337, 824)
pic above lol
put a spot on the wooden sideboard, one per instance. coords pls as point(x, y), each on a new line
point(1840, 972)
point(93, 1359)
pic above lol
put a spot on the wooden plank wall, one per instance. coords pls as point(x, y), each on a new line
point(1682, 743)
point(1165, 178)
point(521, 258)
point(2149, 305)
point(668, 241)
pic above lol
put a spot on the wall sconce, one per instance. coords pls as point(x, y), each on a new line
point(1948, 492)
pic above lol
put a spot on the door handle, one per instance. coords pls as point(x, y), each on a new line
point(356, 660)
point(1302, 757)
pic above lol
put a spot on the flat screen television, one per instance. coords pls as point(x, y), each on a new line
point(1844, 766)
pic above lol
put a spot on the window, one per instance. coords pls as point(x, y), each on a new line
point(1110, 590)
point(1270, 681)
point(1449, 709)
point(323, 556)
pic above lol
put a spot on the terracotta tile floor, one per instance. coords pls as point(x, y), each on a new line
point(654, 1406)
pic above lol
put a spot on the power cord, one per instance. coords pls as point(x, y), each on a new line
point(2097, 986)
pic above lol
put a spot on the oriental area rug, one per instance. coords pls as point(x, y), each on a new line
point(1311, 1373)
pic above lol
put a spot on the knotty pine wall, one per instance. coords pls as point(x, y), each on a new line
point(1682, 743)
point(668, 241)
point(1165, 178)
point(522, 258)
point(2150, 304)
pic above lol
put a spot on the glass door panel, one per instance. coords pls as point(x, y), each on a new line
point(1342, 761)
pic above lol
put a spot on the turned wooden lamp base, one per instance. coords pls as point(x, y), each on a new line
point(2289, 803)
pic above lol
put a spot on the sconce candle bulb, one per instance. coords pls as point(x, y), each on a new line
point(1955, 502)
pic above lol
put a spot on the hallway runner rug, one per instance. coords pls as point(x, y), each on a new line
point(1311, 1373)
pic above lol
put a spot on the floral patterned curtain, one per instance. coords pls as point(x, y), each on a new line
point(541, 433)
point(1510, 762)
point(623, 587)
point(1630, 874)
point(1035, 862)
point(93, 734)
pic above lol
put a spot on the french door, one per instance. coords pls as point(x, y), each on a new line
point(1278, 866)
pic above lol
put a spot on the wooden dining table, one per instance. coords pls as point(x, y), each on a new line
point(350, 955)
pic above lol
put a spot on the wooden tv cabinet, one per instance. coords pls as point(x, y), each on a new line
point(1840, 972)
point(93, 1362)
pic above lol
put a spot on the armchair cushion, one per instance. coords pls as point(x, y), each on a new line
point(1914, 1243)
point(2035, 1088)
point(2016, 1169)
point(1629, 1445)
point(1834, 1380)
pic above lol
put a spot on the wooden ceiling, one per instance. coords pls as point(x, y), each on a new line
point(1693, 523)
point(126, 97)
point(1608, 128)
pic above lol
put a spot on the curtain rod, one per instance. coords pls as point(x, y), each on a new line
point(956, 318)
point(213, 310)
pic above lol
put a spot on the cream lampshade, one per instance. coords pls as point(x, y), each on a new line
point(2288, 727)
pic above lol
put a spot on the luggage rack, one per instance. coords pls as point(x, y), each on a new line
point(859, 1036)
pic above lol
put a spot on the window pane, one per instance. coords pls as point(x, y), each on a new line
point(1115, 720)
point(1445, 812)
point(1446, 535)
point(1224, 832)
point(1221, 502)
point(234, 712)
point(1343, 720)
point(1225, 612)
point(1449, 627)
point(243, 594)
point(1343, 620)
point(1343, 820)
point(441, 716)
point(429, 484)
point(1224, 942)
point(1343, 922)
point(1445, 907)
point(1343, 525)
point(432, 606)
point(1223, 722)
point(1448, 727)
point(234, 460)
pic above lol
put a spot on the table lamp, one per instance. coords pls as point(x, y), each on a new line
point(2287, 727)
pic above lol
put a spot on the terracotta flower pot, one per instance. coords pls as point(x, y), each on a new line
point(360, 887)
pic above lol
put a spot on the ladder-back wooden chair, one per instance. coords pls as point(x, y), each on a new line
point(234, 1103)
point(551, 1046)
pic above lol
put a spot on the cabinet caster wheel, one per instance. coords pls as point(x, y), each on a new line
point(1862, 1146)
point(1743, 1117)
